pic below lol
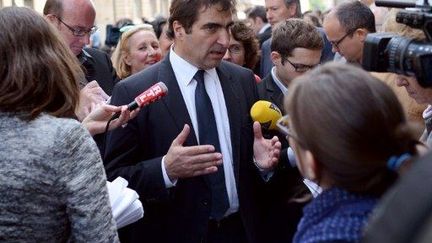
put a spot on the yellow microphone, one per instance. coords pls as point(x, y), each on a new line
point(266, 113)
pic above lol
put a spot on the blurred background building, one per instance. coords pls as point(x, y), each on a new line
point(109, 11)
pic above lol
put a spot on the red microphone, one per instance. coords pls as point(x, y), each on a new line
point(152, 94)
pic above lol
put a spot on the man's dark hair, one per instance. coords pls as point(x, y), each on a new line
point(257, 12)
point(187, 11)
point(353, 15)
point(295, 33)
point(54, 7)
point(298, 13)
point(158, 25)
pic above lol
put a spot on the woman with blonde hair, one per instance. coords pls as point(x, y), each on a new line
point(52, 180)
point(137, 49)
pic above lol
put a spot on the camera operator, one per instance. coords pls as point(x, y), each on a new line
point(420, 94)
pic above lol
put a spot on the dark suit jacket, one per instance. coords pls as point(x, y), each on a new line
point(266, 63)
point(282, 214)
point(98, 66)
point(264, 36)
point(181, 213)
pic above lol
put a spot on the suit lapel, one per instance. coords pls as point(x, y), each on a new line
point(230, 89)
point(276, 95)
point(174, 101)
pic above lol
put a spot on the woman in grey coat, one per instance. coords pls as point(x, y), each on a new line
point(52, 180)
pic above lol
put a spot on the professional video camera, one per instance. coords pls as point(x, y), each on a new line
point(387, 52)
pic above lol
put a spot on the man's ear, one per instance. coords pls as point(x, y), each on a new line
point(275, 58)
point(179, 30)
point(51, 18)
point(362, 33)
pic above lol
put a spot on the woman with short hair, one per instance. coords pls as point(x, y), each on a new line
point(350, 136)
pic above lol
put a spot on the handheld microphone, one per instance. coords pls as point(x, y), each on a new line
point(266, 113)
point(152, 94)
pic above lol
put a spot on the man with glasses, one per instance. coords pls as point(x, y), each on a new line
point(347, 26)
point(74, 19)
point(295, 49)
point(276, 11)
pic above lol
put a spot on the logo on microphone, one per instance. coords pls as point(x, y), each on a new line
point(152, 93)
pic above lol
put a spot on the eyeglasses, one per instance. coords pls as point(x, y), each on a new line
point(301, 68)
point(283, 127)
point(336, 43)
point(79, 32)
point(235, 49)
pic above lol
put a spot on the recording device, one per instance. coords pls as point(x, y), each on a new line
point(386, 52)
point(152, 94)
point(266, 113)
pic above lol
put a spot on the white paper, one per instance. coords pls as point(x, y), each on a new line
point(313, 187)
point(125, 204)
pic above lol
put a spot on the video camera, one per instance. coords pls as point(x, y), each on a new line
point(387, 52)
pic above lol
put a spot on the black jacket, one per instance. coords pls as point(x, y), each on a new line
point(181, 213)
point(98, 66)
point(282, 214)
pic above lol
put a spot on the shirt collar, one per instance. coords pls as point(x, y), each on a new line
point(281, 85)
point(84, 56)
point(185, 71)
point(264, 28)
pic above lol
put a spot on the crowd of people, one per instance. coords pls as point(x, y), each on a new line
point(204, 170)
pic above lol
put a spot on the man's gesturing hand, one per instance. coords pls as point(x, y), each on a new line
point(182, 162)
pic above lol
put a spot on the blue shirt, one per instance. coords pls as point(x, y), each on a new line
point(334, 216)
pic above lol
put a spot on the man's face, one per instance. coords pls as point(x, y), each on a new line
point(302, 58)
point(208, 40)
point(78, 15)
point(164, 41)
point(420, 94)
point(277, 11)
point(253, 24)
point(349, 45)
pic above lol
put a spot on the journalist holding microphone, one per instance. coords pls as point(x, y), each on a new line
point(52, 179)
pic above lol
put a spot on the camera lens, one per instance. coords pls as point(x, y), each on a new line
point(410, 58)
point(399, 61)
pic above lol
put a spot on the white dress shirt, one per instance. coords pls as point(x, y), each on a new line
point(264, 28)
point(184, 73)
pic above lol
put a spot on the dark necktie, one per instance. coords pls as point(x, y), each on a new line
point(208, 134)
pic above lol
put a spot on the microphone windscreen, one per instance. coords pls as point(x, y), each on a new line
point(266, 113)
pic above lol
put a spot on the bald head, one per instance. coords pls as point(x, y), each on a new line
point(70, 15)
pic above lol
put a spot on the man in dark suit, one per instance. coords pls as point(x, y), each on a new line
point(295, 48)
point(199, 172)
point(258, 21)
point(74, 19)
